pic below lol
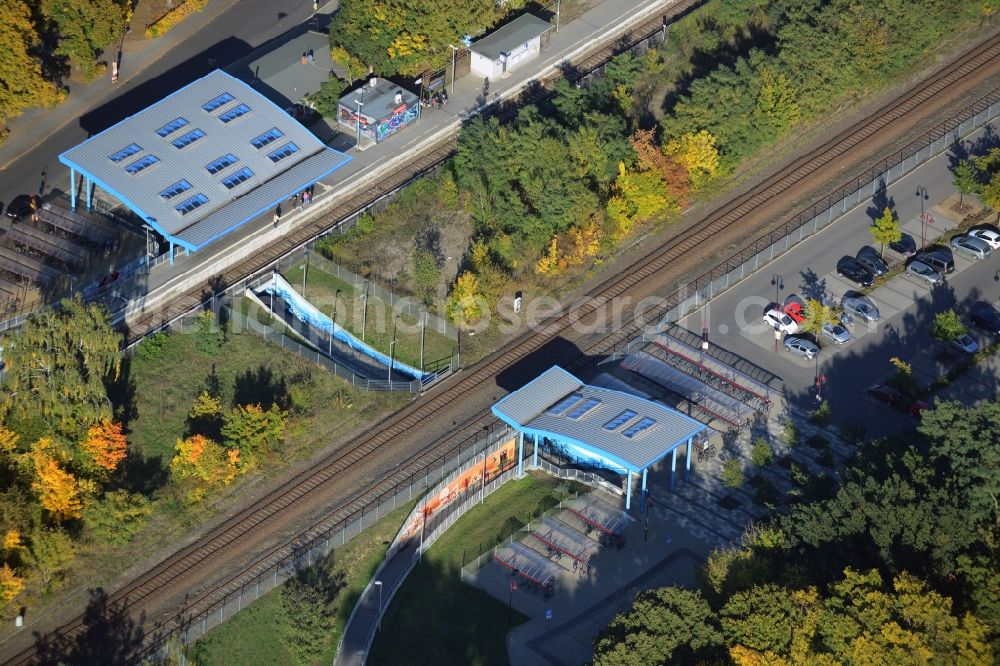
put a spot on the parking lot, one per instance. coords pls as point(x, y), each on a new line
point(907, 306)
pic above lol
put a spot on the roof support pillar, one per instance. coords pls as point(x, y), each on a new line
point(644, 480)
point(628, 489)
point(687, 460)
point(673, 467)
point(534, 457)
point(72, 188)
point(171, 253)
point(520, 454)
point(90, 193)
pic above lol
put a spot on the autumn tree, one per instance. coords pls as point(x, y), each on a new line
point(253, 431)
point(204, 463)
point(10, 584)
point(638, 196)
point(57, 489)
point(696, 152)
point(50, 552)
point(117, 516)
point(105, 447)
point(466, 303)
point(885, 229)
point(205, 417)
point(21, 77)
point(965, 179)
point(667, 625)
point(817, 315)
point(85, 29)
point(57, 365)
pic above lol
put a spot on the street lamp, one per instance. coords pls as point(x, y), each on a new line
point(333, 322)
point(923, 196)
point(378, 584)
point(454, 52)
point(357, 119)
point(778, 285)
point(305, 270)
point(392, 348)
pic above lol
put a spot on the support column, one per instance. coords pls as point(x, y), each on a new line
point(644, 480)
point(171, 253)
point(90, 193)
point(534, 457)
point(628, 489)
point(72, 188)
point(687, 460)
point(520, 454)
point(673, 467)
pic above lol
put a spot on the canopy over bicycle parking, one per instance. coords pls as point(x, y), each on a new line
point(202, 161)
point(612, 429)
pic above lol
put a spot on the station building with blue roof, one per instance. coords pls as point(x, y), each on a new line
point(202, 161)
point(613, 429)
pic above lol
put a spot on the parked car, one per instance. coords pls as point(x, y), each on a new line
point(938, 258)
point(965, 344)
point(986, 318)
point(795, 308)
point(869, 258)
point(906, 246)
point(779, 321)
point(988, 236)
point(893, 398)
point(971, 247)
point(21, 206)
point(836, 333)
point(849, 268)
point(919, 269)
point(859, 305)
point(803, 347)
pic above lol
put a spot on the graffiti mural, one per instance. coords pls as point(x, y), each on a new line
point(394, 122)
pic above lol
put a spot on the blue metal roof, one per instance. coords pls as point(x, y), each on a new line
point(182, 138)
point(559, 406)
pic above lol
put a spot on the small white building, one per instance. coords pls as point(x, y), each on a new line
point(508, 47)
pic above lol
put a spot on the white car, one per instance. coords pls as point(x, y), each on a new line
point(779, 321)
point(988, 236)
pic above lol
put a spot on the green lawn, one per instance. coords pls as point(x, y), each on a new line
point(435, 618)
point(321, 291)
point(254, 637)
point(246, 370)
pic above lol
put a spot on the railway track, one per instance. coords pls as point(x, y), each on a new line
point(341, 463)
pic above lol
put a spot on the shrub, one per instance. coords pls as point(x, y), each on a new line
point(170, 20)
point(761, 454)
point(152, 345)
point(117, 517)
point(790, 435)
point(821, 415)
point(209, 336)
point(732, 473)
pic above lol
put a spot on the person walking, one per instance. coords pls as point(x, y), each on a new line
point(486, 88)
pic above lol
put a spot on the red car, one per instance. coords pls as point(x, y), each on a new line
point(795, 308)
point(890, 396)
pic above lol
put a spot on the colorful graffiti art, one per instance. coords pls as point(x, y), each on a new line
point(497, 461)
point(395, 122)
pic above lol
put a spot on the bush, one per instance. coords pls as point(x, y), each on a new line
point(790, 435)
point(307, 603)
point(173, 17)
point(761, 454)
point(821, 415)
point(732, 473)
point(210, 337)
point(326, 99)
point(152, 345)
point(117, 517)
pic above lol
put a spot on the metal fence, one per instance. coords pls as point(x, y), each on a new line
point(758, 254)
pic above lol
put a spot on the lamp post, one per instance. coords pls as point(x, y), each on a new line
point(558, 4)
point(923, 196)
point(357, 120)
point(392, 349)
point(454, 52)
point(305, 270)
point(378, 626)
point(333, 322)
point(778, 285)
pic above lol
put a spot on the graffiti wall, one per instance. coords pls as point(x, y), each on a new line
point(401, 118)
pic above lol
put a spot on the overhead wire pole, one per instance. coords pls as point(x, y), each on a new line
point(454, 52)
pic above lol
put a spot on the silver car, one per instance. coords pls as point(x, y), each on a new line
point(975, 248)
point(836, 333)
point(860, 306)
point(919, 269)
point(801, 346)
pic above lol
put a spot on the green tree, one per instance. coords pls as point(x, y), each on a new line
point(885, 229)
point(990, 193)
point(85, 29)
point(117, 517)
point(21, 78)
point(761, 454)
point(732, 473)
point(308, 609)
point(57, 366)
point(426, 272)
point(948, 326)
point(253, 431)
point(326, 99)
point(50, 552)
point(817, 315)
point(666, 625)
point(209, 337)
point(966, 180)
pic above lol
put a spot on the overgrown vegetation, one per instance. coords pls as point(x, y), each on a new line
point(898, 565)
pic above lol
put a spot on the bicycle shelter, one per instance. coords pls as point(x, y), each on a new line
point(597, 426)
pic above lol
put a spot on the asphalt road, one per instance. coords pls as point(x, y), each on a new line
point(245, 26)
point(907, 308)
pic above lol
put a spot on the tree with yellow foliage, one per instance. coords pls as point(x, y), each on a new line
point(639, 195)
point(105, 446)
point(465, 304)
point(8, 441)
point(10, 584)
point(551, 263)
point(57, 489)
point(699, 155)
point(204, 462)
